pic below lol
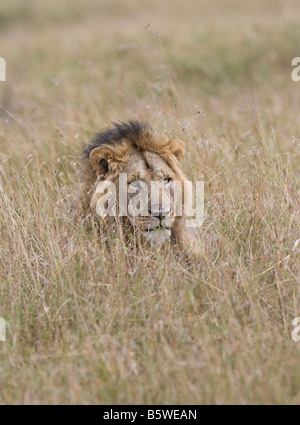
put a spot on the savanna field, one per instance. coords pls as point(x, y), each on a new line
point(87, 325)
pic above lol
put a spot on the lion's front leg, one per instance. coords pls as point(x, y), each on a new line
point(187, 240)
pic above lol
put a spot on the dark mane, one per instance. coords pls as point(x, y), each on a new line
point(132, 130)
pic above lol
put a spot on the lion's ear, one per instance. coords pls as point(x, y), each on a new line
point(176, 147)
point(100, 159)
point(106, 159)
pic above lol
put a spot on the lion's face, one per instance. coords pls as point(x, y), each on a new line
point(146, 172)
point(151, 169)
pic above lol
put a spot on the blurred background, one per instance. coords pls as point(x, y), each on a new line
point(83, 63)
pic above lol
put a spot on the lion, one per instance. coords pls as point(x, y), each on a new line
point(133, 149)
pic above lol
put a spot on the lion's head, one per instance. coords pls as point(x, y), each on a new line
point(148, 160)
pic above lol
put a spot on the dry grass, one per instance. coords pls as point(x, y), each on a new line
point(89, 326)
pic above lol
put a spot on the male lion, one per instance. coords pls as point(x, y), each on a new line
point(135, 149)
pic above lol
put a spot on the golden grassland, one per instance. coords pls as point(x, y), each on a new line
point(85, 325)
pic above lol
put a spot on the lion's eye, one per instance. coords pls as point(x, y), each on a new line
point(135, 184)
point(167, 180)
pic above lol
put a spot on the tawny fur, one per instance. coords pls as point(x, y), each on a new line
point(121, 149)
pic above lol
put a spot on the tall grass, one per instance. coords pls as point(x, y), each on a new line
point(85, 325)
